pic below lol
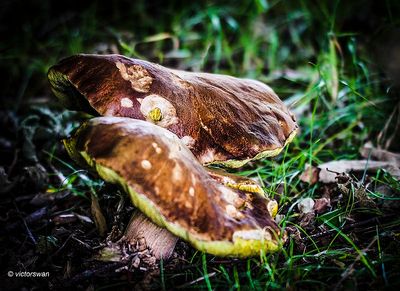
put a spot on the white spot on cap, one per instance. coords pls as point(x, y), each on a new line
point(168, 111)
point(188, 141)
point(207, 157)
point(230, 210)
point(126, 102)
point(229, 195)
point(191, 191)
point(177, 173)
point(233, 212)
point(188, 204)
point(156, 147)
point(204, 126)
point(138, 76)
point(194, 180)
point(146, 164)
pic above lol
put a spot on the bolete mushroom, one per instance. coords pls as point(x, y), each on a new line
point(222, 119)
point(218, 119)
point(166, 182)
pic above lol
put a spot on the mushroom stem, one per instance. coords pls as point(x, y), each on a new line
point(159, 240)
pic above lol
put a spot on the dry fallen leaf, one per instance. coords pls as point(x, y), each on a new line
point(368, 151)
point(98, 216)
point(329, 170)
point(306, 205)
point(310, 175)
point(322, 205)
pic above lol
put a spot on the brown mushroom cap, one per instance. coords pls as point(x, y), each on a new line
point(221, 119)
point(168, 185)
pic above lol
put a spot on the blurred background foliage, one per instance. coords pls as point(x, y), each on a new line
point(252, 38)
point(291, 45)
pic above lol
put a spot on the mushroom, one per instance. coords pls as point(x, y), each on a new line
point(165, 181)
point(222, 119)
point(174, 118)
